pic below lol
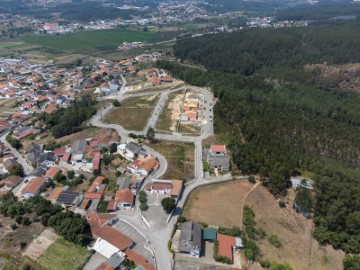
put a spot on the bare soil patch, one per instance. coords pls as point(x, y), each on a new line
point(40, 244)
point(218, 204)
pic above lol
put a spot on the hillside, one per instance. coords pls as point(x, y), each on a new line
point(278, 120)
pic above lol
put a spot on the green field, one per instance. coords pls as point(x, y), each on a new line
point(99, 39)
point(10, 44)
point(62, 255)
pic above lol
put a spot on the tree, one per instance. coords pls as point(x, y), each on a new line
point(70, 174)
point(22, 244)
point(13, 142)
point(16, 169)
point(59, 177)
point(79, 62)
point(113, 148)
point(351, 262)
point(150, 134)
point(116, 103)
point(251, 179)
point(168, 204)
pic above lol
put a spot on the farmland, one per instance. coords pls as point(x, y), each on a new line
point(62, 255)
point(101, 40)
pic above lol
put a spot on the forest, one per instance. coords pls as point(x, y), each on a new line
point(68, 120)
point(278, 122)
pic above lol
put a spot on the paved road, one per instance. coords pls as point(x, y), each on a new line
point(159, 237)
point(22, 161)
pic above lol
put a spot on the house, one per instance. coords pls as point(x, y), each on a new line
point(10, 183)
point(47, 159)
point(218, 149)
point(78, 150)
point(59, 152)
point(219, 162)
point(132, 150)
point(9, 163)
point(33, 187)
point(96, 161)
point(69, 199)
point(124, 199)
point(111, 241)
point(138, 260)
point(143, 166)
point(54, 195)
point(50, 173)
point(39, 171)
point(112, 263)
point(22, 132)
point(226, 245)
point(123, 183)
point(172, 187)
point(190, 238)
point(93, 196)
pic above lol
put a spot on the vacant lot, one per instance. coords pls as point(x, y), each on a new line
point(40, 244)
point(101, 40)
point(218, 204)
point(168, 118)
point(294, 232)
point(10, 252)
point(7, 107)
point(62, 255)
point(180, 159)
point(133, 113)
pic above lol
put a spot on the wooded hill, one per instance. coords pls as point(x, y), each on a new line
point(280, 123)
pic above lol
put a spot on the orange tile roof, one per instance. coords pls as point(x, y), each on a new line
point(124, 195)
point(52, 171)
point(177, 186)
point(225, 244)
point(104, 266)
point(54, 194)
point(114, 237)
point(138, 259)
point(218, 148)
point(148, 164)
point(97, 220)
point(84, 203)
point(34, 185)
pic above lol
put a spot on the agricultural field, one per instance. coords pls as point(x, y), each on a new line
point(62, 255)
point(133, 113)
point(7, 107)
point(180, 159)
point(101, 40)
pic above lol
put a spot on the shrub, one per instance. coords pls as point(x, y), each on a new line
point(13, 226)
point(282, 204)
point(251, 179)
point(22, 244)
point(116, 103)
point(274, 240)
point(265, 264)
point(169, 247)
point(181, 219)
point(168, 204)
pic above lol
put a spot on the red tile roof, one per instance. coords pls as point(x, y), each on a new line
point(138, 259)
point(52, 171)
point(55, 194)
point(34, 185)
point(97, 220)
point(218, 148)
point(176, 187)
point(114, 237)
point(60, 151)
point(225, 244)
point(124, 195)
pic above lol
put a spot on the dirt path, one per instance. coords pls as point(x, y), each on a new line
point(243, 203)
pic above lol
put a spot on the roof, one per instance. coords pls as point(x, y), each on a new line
point(40, 171)
point(52, 172)
point(138, 259)
point(209, 234)
point(190, 236)
point(114, 237)
point(158, 186)
point(55, 193)
point(60, 151)
point(104, 266)
point(218, 148)
point(97, 220)
point(96, 161)
point(177, 187)
point(67, 197)
point(34, 185)
point(124, 195)
point(12, 181)
point(123, 183)
point(225, 244)
point(219, 161)
point(78, 146)
point(133, 147)
point(149, 164)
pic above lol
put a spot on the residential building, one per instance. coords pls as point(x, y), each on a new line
point(33, 187)
point(226, 245)
point(190, 238)
point(69, 199)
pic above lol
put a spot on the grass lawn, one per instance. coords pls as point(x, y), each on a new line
point(62, 255)
point(180, 158)
point(98, 39)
